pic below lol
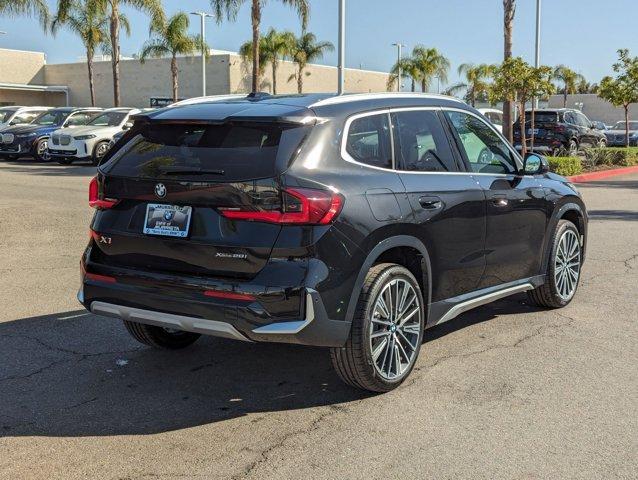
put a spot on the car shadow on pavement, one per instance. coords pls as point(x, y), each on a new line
point(76, 374)
point(612, 215)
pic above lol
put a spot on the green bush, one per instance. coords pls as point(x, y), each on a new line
point(619, 156)
point(565, 166)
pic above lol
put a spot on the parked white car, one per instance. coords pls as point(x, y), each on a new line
point(91, 141)
point(493, 115)
point(15, 115)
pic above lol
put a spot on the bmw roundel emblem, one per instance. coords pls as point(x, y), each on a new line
point(168, 215)
point(160, 190)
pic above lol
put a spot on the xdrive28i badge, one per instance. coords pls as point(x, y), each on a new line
point(160, 190)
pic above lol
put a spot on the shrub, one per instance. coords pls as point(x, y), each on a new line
point(565, 166)
point(619, 156)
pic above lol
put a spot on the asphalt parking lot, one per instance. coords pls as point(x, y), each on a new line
point(505, 391)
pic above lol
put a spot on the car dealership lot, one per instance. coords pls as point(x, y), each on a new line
point(506, 391)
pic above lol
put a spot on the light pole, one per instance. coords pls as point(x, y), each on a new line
point(203, 16)
point(537, 56)
point(342, 46)
point(399, 45)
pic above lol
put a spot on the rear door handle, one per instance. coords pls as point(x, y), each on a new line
point(430, 203)
point(500, 200)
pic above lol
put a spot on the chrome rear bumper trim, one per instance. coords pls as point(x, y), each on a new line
point(168, 320)
point(291, 328)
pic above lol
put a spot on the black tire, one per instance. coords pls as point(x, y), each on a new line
point(100, 149)
point(65, 161)
point(40, 150)
point(602, 143)
point(158, 337)
point(353, 362)
point(547, 295)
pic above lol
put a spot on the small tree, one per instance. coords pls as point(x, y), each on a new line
point(622, 90)
point(569, 79)
point(172, 38)
point(516, 81)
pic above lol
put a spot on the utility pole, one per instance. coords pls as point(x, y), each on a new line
point(342, 46)
point(537, 56)
point(399, 45)
point(203, 16)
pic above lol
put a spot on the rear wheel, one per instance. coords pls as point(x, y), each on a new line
point(387, 331)
point(572, 147)
point(602, 143)
point(159, 337)
point(563, 271)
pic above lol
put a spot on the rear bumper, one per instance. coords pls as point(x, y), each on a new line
point(138, 298)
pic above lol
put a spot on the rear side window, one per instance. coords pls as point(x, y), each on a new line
point(369, 141)
point(420, 143)
point(224, 153)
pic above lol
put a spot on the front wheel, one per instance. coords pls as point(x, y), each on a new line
point(563, 270)
point(572, 148)
point(387, 331)
point(99, 151)
point(42, 150)
point(159, 337)
point(602, 143)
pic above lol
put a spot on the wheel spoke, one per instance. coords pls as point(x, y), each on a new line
point(413, 328)
point(379, 349)
point(402, 350)
point(402, 335)
point(380, 333)
point(383, 307)
point(404, 320)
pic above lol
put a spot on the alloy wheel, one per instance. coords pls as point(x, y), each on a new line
point(567, 265)
point(395, 329)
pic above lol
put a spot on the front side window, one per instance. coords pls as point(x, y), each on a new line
point(369, 141)
point(5, 115)
point(486, 152)
point(420, 143)
point(78, 119)
point(109, 119)
point(51, 118)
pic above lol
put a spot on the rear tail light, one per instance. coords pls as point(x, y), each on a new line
point(304, 206)
point(559, 128)
point(96, 196)
point(99, 278)
point(229, 295)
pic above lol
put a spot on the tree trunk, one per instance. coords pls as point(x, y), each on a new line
point(473, 97)
point(509, 9)
point(175, 73)
point(565, 97)
point(256, 20)
point(89, 64)
point(533, 120)
point(274, 76)
point(521, 118)
point(300, 80)
point(626, 125)
point(423, 86)
point(413, 85)
point(115, 53)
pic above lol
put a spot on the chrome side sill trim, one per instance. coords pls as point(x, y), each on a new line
point(168, 320)
point(460, 308)
point(291, 328)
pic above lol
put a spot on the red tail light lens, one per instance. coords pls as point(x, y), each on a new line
point(95, 196)
point(229, 295)
point(304, 206)
point(100, 278)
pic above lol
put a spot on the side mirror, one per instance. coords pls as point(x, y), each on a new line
point(535, 164)
point(127, 126)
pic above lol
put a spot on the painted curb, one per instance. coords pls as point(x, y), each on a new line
point(593, 176)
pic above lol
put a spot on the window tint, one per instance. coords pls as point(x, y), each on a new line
point(78, 119)
point(583, 121)
point(222, 153)
point(24, 118)
point(484, 149)
point(543, 117)
point(109, 119)
point(420, 143)
point(369, 141)
point(5, 115)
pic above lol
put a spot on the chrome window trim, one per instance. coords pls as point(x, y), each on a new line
point(357, 97)
point(389, 110)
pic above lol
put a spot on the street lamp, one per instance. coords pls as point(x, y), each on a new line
point(399, 46)
point(537, 56)
point(342, 47)
point(203, 16)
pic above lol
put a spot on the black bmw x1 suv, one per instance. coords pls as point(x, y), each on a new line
point(351, 222)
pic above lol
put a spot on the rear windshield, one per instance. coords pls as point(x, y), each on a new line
point(228, 152)
point(543, 117)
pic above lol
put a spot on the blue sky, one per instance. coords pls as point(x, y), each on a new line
point(579, 33)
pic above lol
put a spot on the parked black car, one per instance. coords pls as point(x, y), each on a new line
point(557, 129)
point(32, 140)
point(351, 222)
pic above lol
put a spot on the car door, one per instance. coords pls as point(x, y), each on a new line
point(516, 208)
point(447, 205)
point(589, 138)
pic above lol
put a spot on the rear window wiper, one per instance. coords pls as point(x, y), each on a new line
point(190, 171)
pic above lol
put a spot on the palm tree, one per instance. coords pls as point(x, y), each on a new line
point(509, 9)
point(569, 79)
point(476, 80)
point(113, 10)
point(88, 22)
point(305, 50)
point(35, 8)
point(171, 38)
point(429, 64)
point(272, 48)
point(408, 69)
point(230, 8)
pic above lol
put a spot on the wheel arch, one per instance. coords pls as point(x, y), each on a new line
point(575, 213)
point(385, 251)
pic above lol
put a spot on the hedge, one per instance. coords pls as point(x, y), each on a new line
point(565, 166)
point(617, 156)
